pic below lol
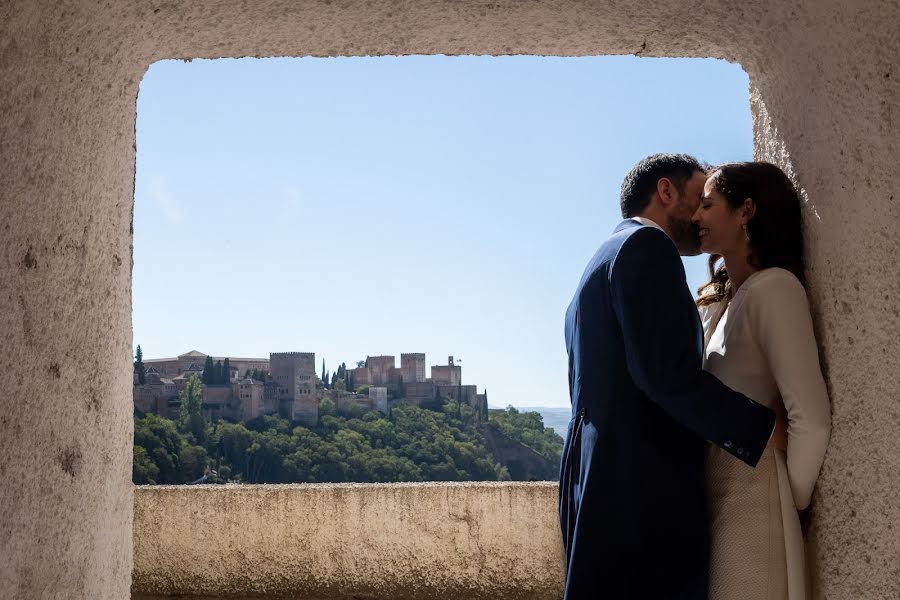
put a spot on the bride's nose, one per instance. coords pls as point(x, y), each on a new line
point(695, 218)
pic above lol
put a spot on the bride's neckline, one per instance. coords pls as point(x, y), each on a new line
point(746, 283)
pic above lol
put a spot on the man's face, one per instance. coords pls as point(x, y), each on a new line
point(685, 233)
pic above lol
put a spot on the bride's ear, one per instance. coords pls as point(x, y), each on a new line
point(748, 209)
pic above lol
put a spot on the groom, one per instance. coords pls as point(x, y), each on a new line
point(631, 500)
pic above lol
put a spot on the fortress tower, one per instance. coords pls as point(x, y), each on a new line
point(295, 375)
point(412, 367)
point(451, 374)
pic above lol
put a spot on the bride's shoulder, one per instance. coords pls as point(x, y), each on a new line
point(775, 282)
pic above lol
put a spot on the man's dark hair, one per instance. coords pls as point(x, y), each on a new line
point(640, 183)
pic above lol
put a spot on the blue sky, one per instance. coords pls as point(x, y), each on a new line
point(366, 206)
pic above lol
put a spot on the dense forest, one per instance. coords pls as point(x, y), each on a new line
point(445, 442)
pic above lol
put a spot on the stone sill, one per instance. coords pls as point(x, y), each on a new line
point(399, 541)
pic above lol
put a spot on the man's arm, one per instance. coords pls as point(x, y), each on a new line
point(664, 349)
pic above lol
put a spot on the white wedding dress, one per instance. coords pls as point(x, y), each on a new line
point(761, 344)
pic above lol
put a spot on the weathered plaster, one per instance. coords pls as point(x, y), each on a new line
point(825, 94)
point(421, 541)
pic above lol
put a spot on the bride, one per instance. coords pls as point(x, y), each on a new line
point(759, 341)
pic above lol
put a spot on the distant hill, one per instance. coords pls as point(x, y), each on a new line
point(556, 417)
point(447, 442)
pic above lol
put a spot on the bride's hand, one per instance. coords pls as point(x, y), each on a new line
point(779, 435)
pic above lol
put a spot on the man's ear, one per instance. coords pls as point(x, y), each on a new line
point(666, 191)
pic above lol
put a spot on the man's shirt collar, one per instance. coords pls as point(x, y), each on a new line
point(647, 222)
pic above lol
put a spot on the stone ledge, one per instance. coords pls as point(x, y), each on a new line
point(398, 541)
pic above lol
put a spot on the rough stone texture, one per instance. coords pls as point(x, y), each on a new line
point(825, 92)
point(418, 541)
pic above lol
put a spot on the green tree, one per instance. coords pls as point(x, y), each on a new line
point(327, 407)
point(139, 366)
point(324, 376)
point(226, 371)
point(192, 463)
point(191, 418)
point(229, 443)
point(340, 386)
point(266, 455)
point(161, 442)
point(143, 470)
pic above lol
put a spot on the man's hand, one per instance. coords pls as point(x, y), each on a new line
point(779, 435)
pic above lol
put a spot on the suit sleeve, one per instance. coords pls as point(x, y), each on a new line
point(664, 349)
point(783, 328)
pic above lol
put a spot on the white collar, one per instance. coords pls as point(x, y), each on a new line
point(647, 222)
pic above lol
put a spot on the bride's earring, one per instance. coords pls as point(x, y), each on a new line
point(746, 233)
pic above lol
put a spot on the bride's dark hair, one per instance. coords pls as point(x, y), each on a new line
point(775, 230)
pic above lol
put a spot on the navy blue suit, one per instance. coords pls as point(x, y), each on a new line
point(632, 504)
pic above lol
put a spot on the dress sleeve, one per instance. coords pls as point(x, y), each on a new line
point(783, 327)
point(663, 346)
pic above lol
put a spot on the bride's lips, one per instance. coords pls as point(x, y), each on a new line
point(703, 232)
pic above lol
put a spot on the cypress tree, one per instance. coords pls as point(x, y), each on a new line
point(226, 371)
point(139, 366)
point(191, 413)
point(208, 374)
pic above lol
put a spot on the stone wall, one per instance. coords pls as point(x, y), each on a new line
point(379, 399)
point(824, 89)
point(420, 391)
point(391, 541)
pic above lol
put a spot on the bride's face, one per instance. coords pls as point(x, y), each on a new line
point(721, 227)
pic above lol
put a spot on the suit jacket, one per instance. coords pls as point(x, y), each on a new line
point(632, 504)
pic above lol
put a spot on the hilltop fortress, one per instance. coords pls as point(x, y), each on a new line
point(286, 384)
